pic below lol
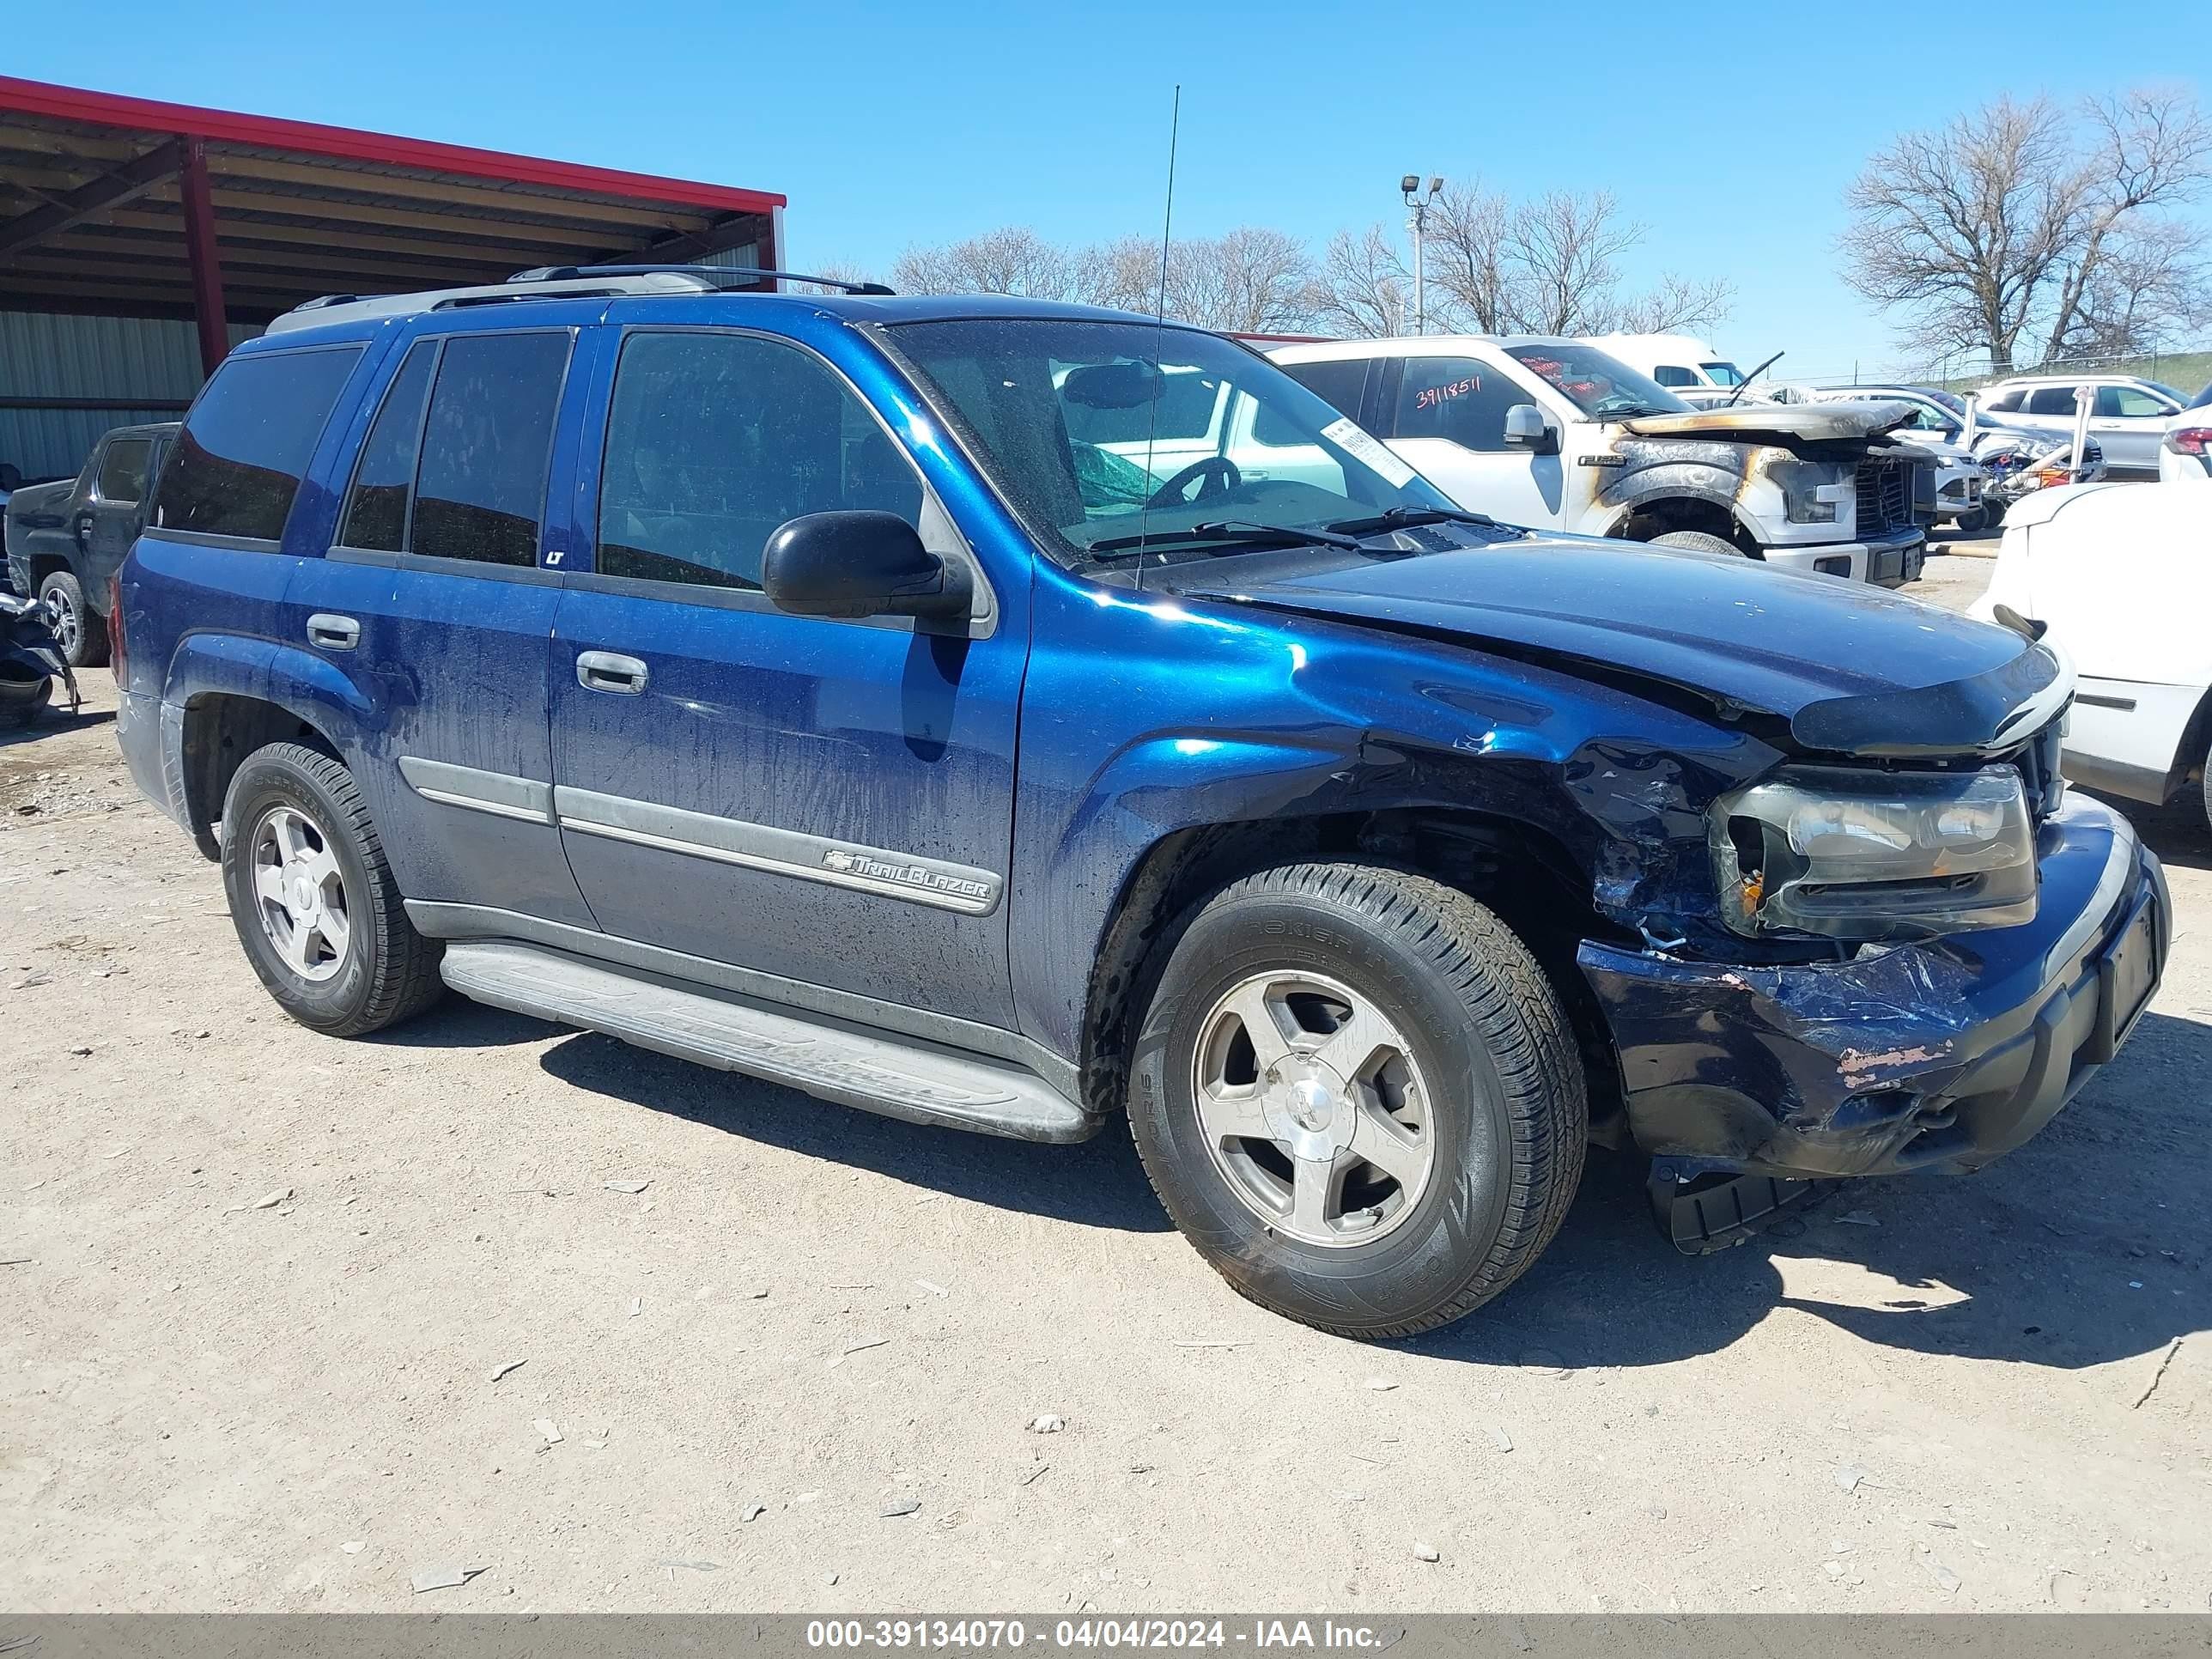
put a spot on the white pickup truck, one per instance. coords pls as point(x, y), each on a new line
point(1556, 434)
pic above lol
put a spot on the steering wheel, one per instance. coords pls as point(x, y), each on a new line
point(1207, 467)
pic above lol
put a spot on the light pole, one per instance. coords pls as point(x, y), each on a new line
point(1410, 188)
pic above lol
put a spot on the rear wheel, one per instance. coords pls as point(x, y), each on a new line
point(80, 630)
point(313, 900)
point(1359, 1097)
point(1698, 541)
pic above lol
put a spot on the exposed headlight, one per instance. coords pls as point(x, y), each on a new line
point(1875, 855)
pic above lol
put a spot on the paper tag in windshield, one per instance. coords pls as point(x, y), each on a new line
point(1346, 436)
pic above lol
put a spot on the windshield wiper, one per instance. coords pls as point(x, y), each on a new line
point(1406, 518)
point(1744, 385)
point(1234, 532)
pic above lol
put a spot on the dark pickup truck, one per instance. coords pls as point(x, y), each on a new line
point(66, 539)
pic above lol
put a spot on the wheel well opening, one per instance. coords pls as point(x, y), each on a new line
point(221, 730)
point(1522, 873)
point(44, 565)
point(1652, 520)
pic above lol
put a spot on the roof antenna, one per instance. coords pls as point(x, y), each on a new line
point(1159, 330)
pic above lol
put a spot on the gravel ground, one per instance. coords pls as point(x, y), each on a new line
point(264, 1290)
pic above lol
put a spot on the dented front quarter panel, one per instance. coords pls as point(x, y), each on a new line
point(1148, 713)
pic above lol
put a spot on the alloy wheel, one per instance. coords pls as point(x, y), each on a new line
point(300, 895)
point(1314, 1109)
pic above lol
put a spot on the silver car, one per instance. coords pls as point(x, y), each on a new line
point(2128, 420)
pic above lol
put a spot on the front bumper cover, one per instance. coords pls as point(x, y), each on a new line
point(1939, 1056)
point(1888, 562)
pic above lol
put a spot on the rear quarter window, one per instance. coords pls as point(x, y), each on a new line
point(245, 445)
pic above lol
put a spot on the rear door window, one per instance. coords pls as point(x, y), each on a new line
point(2051, 400)
point(1341, 381)
point(2004, 404)
point(486, 444)
point(715, 441)
point(245, 445)
point(1674, 375)
point(123, 471)
point(383, 482)
point(1458, 398)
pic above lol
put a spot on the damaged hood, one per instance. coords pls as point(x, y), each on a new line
point(1853, 669)
point(1778, 422)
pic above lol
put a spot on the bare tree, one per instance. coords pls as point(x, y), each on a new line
point(1361, 287)
point(1977, 229)
point(1124, 274)
point(1675, 305)
point(1251, 281)
point(2149, 285)
point(1565, 247)
point(1013, 259)
point(1468, 260)
point(2152, 148)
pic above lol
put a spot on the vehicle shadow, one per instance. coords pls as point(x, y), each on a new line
point(458, 1023)
point(2036, 1260)
point(1098, 1183)
point(53, 724)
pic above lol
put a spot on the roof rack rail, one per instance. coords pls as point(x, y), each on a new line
point(333, 308)
point(718, 276)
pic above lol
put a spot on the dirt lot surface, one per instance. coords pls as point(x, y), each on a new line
point(262, 1285)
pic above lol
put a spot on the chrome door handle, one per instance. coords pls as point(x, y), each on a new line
point(333, 633)
point(608, 671)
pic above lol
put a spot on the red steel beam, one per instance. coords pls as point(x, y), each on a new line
point(208, 308)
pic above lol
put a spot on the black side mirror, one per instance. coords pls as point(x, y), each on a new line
point(860, 564)
point(1525, 428)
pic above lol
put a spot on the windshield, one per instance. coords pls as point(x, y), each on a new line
point(1599, 386)
point(1098, 432)
point(1723, 373)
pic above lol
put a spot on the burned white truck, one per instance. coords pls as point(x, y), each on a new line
point(1557, 434)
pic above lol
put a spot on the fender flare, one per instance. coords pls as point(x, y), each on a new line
point(1697, 481)
point(300, 685)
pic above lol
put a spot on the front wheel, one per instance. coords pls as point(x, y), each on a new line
point(1359, 1097)
point(313, 900)
point(1700, 541)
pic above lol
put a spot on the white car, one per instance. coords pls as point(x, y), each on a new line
point(1557, 434)
point(2184, 455)
point(2121, 574)
point(1674, 360)
point(2128, 420)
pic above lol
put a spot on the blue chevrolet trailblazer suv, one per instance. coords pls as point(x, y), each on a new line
point(1010, 716)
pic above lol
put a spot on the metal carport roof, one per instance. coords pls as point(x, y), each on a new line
point(128, 207)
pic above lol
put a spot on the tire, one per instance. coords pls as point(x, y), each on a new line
point(22, 702)
point(81, 630)
point(1491, 1074)
point(1972, 523)
point(1700, 541)
point(2204, 789)
point(380, 971)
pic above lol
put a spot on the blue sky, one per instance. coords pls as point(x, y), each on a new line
point(1730, 132)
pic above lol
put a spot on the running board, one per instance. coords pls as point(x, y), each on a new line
point(876, 1071)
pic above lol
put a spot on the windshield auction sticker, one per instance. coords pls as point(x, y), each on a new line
point(1347, 436)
